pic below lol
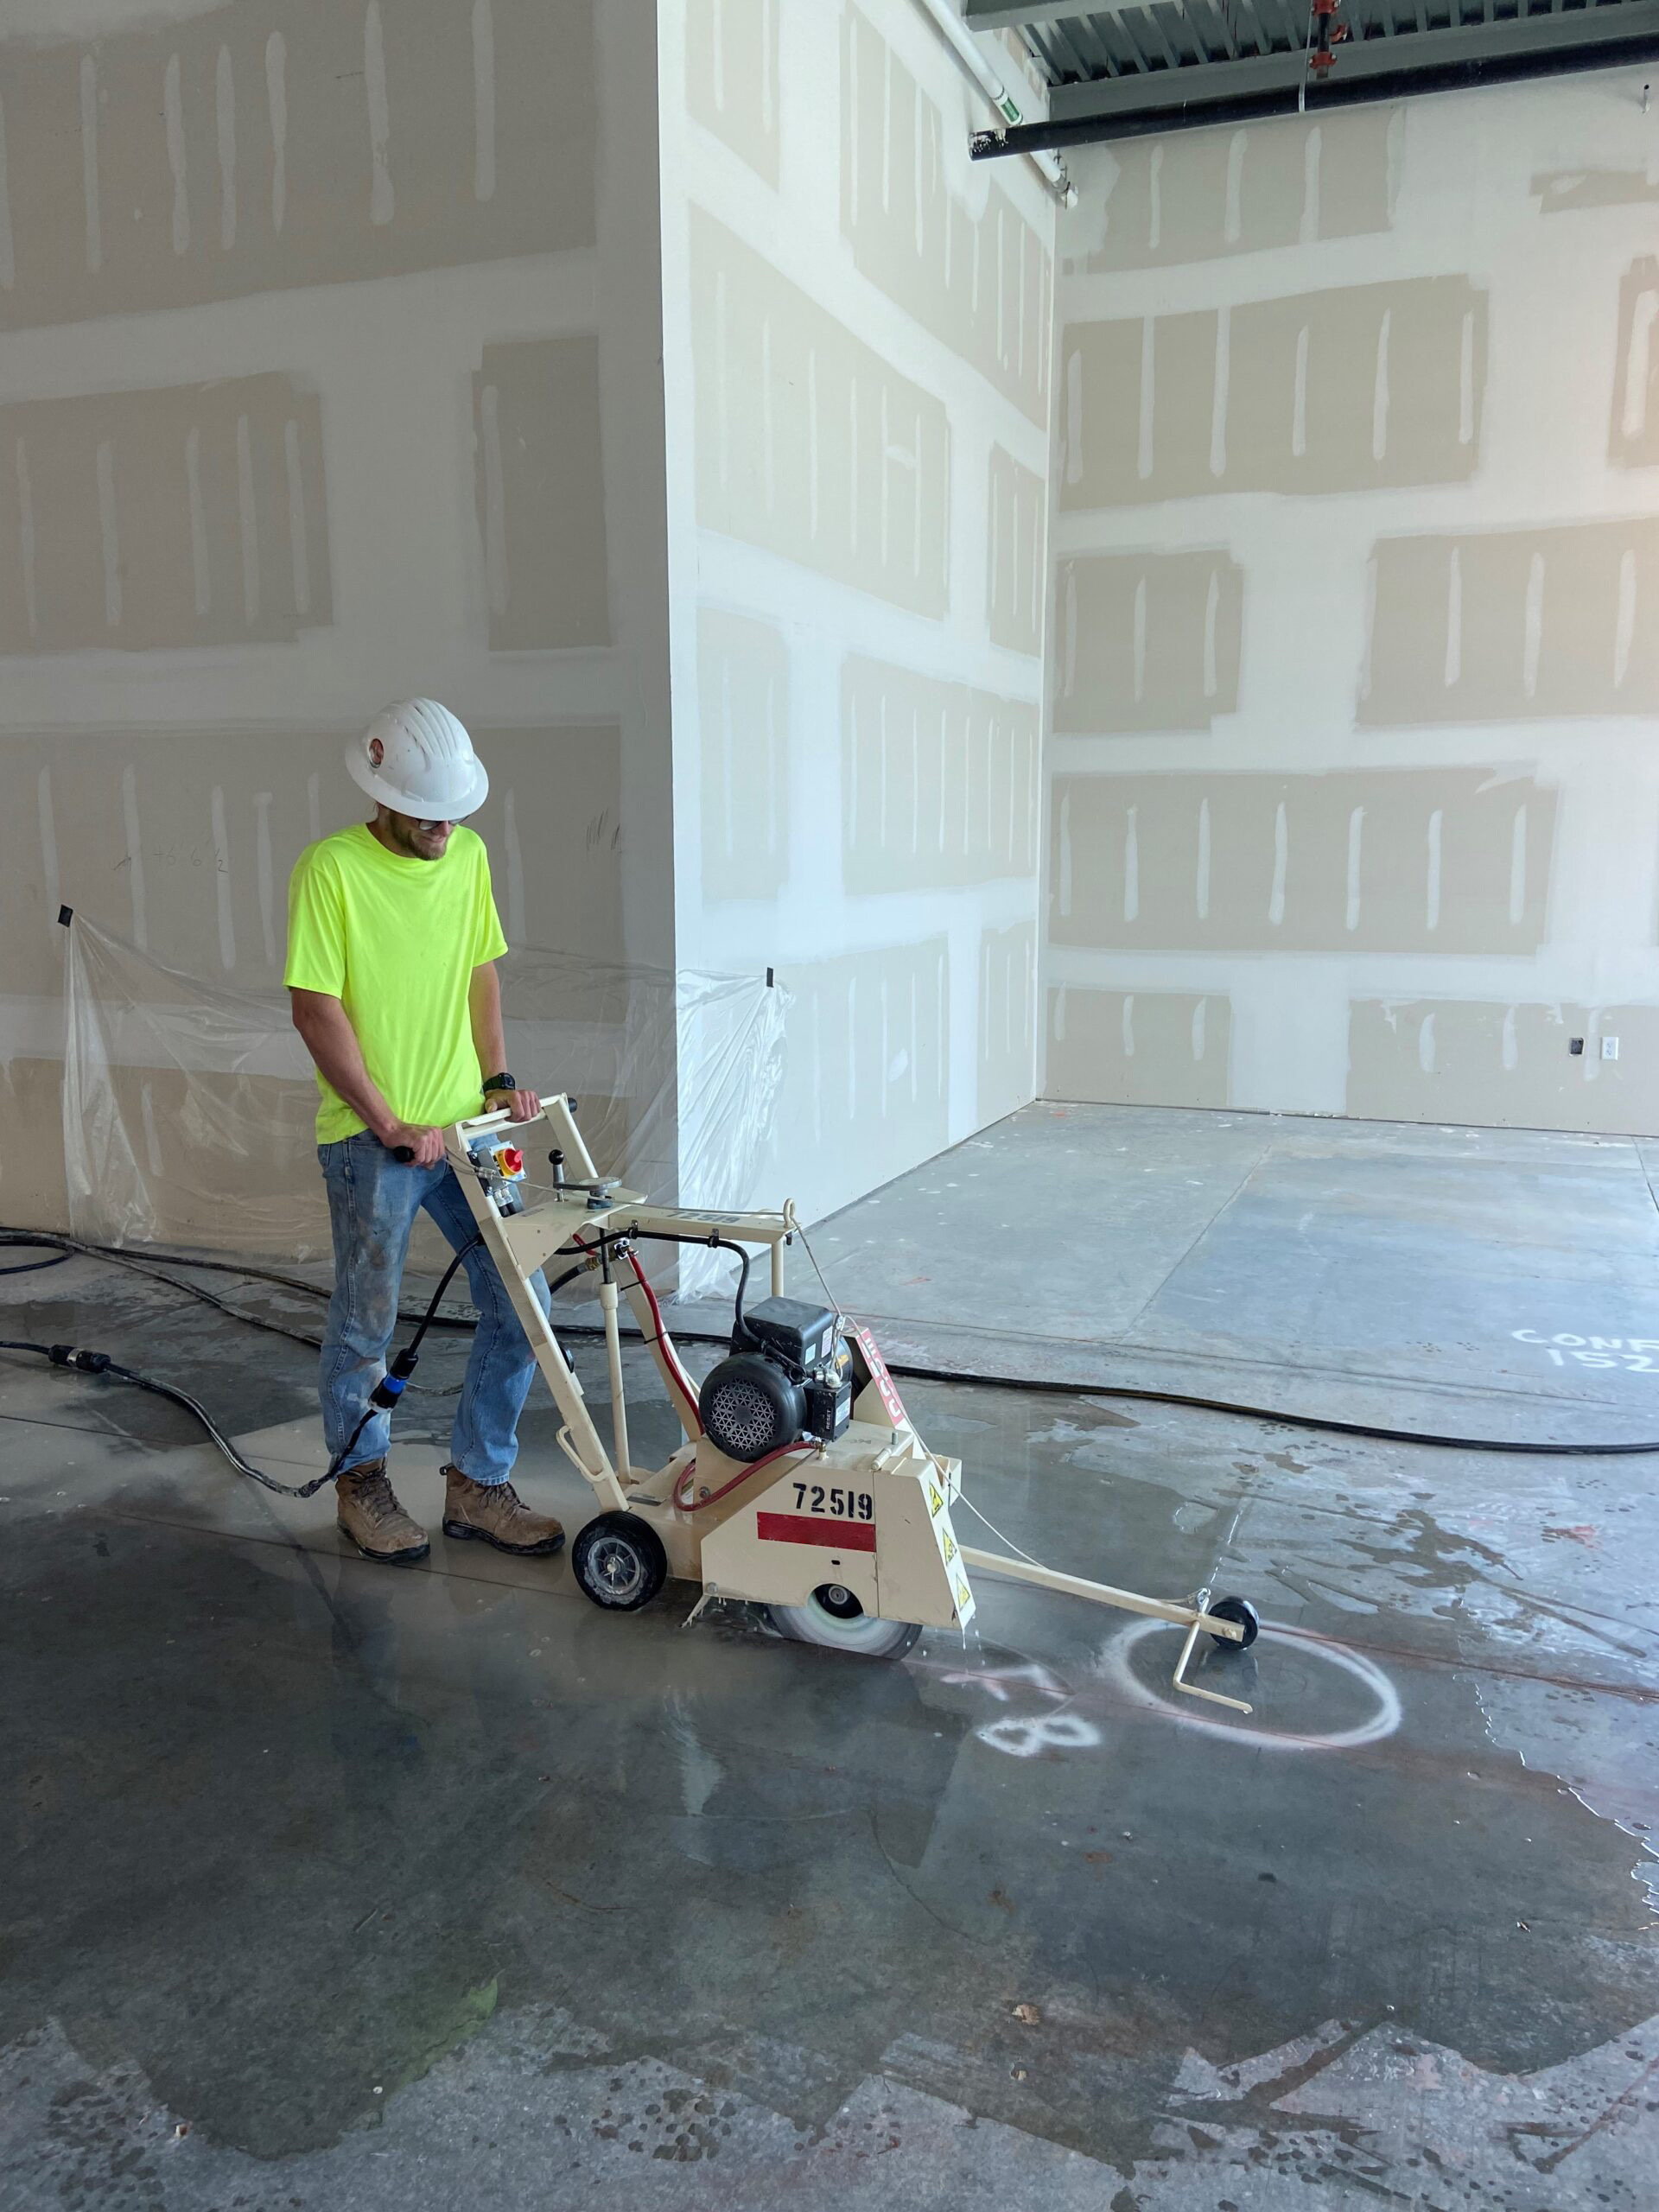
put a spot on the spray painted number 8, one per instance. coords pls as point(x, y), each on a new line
point(841, 1504)
point(1043, 1731)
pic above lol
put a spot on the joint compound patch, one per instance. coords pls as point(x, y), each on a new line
point(258, 111)
point(1007, 1044)
point(174, 515)
point(808, 444)
point(1373, 859)
point(1140, 1048)
point(1516, 625)
point(966, 264)
point(1297, 390)
point(940, 782)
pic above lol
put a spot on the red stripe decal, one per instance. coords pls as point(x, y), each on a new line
point(800, 1529)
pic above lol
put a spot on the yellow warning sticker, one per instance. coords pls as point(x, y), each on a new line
point(964, 1595)
point(935, 1503)
point(950, 1547)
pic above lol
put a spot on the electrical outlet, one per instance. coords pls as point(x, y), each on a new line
point(1610, 1048)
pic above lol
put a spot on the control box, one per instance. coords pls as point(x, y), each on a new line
point(501, 1167)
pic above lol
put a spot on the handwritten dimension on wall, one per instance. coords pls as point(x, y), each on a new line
point(1451, 860)
point(277, 142)
point(1342, 390)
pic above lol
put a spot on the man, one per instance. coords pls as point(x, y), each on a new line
point(393, 941)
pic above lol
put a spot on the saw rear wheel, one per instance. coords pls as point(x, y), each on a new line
point(833, 1620)
point(1242, 1611)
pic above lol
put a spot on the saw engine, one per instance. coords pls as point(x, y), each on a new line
point(790, 1375)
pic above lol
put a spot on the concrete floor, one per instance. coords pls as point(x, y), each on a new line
point(330, 1886)
point(1380, 1272)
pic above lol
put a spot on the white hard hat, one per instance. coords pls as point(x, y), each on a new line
point(417, 759)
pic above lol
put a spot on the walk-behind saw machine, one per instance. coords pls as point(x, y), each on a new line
point(802, 1486)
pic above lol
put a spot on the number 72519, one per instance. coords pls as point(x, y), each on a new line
point(839, 1504)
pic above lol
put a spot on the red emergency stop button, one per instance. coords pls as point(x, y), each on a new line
point(512, 1160)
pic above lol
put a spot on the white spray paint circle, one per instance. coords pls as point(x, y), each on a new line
point(1115, 1670)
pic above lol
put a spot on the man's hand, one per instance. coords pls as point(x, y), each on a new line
point(518, 1105)
point(427, 1145)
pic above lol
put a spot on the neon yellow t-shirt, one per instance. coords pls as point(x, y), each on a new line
point(395, 941)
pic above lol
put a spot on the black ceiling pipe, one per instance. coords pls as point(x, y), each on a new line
point(1637, 50)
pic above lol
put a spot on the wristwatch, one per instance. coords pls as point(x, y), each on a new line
point(502, 1081)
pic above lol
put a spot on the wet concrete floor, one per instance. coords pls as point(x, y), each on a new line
point(329, 1886)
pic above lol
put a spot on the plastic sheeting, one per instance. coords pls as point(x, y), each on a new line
point(189, 1108)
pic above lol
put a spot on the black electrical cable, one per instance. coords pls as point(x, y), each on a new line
point(968, 1378)
point(78, 1247)
point(1321, 1422)
point(385, 1396)
point(99, 1363)
point(963, 1376)
point(431, 1314)
point(741, 1327)
point(113, 1256)
point(33, 1266)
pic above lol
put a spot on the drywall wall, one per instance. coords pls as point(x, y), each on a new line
point(857, 330)
point(1353, 798)
point(331, 374)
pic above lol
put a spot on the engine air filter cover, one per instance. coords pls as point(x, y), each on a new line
point(792, 1329)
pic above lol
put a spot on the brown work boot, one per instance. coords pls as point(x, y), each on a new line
point(369, 1513)
point(497, 1513)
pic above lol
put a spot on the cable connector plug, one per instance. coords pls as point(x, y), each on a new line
point(393, 1383)
point(89, 1363)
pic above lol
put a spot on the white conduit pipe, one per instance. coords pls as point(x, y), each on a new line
point(968, 50)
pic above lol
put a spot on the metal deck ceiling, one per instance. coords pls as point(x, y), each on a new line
point(1124, 69)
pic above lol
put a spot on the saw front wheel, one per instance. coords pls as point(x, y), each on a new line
point(833, 1618)
point(619, 1561)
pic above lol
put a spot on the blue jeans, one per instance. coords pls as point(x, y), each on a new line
point(372, 1203)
